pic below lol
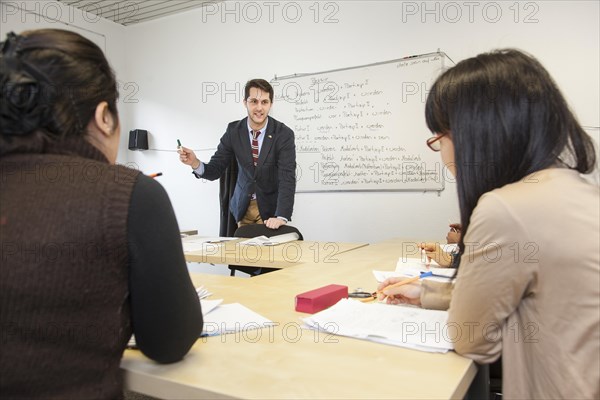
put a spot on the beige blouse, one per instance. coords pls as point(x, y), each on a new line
point(528, 286)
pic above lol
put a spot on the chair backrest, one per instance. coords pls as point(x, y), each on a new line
point(227, 223)
point(253, 230)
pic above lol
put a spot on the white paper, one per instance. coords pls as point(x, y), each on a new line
point(206, 305)
point(204, 239)
point(203, 292)
point(410, 327)
point(220, 239)
point(272, 241)
point(257, 241)
point(413, 267)
point(230, 318)
point(209, 305)
point(381, 276)
point(197, 243)
point(449, 248)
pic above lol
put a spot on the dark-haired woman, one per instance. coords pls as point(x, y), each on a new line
point(90, 250)
point(528, 285)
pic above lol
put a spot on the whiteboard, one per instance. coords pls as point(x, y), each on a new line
point(362, 128)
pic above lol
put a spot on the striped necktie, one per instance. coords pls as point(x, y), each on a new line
point(255, 135)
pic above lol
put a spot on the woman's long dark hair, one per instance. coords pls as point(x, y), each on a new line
point(507, 119)
point(51, 81)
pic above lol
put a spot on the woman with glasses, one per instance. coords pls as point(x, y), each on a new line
point(528, 283)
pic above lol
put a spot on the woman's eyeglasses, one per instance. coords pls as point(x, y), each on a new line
point(434, 142)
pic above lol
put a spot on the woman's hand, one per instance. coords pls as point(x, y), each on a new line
point(409, 293)
point(435, 252)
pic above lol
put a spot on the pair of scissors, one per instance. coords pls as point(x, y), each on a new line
point(362, 296)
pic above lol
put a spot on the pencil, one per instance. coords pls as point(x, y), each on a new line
point(373, 297)
point(155, 175)
point(368, 299)
point(404, 282)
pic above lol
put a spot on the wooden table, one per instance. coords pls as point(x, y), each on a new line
point(286, 362)
point(280, 256)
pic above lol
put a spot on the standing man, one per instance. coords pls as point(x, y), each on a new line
point(266, 157)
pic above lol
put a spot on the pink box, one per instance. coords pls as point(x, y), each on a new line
point(321, 298)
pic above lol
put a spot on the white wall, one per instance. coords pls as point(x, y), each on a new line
point(174, 58)
point(170, 63)
point(19, 16)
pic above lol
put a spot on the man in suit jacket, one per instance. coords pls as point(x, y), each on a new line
point(266, 181)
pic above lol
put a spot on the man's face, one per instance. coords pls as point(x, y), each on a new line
point(258, 105)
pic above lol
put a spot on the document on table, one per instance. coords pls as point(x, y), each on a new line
point(272, 241)
point(449, 248)
point(404, 326)
point(230, 318)
point(414, 266)
point(206, 305)
point(198, 243)
point(209, 305)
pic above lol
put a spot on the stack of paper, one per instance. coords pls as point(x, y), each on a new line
point(203, 292)
point(222, 319)
point(198, 243)
point(206, 305)
point(449, 248)
point(227, 318)
point(272, 241)
point(404, 326)
point(209, 305)
point(230, 318)
point(413, 267)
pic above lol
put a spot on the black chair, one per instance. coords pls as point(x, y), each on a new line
point(487, 384)
point(227, 223)
point(496, 380)
point(254, 230)
point(480, 387)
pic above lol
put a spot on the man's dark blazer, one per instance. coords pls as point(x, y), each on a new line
point(274, 178)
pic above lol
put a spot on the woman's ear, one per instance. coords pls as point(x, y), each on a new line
point(103, 131)
point(104, 120)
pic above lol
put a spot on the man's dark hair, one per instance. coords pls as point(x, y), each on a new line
point(260, 84)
